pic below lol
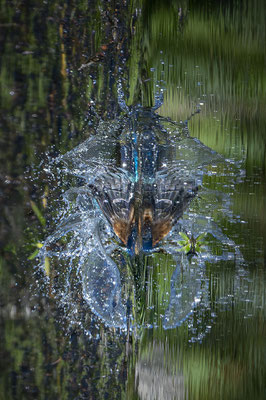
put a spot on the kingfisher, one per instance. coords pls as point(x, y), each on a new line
point(143, 197)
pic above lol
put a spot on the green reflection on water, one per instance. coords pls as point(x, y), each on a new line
point(59, 60)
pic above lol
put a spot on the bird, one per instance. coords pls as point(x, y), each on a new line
point(144, 195)
point(142, 213)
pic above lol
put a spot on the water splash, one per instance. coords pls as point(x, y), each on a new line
point(102, 285)
point(189, 287)
point(166, 155)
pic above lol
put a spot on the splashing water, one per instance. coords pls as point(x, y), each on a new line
point(149, 151)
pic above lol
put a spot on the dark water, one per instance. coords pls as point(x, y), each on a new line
point(159, 325)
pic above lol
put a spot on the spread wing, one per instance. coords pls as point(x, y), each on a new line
point(171, 198)
point(114, 194)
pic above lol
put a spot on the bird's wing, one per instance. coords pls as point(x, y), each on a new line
point(171, 198)
point(114, 193)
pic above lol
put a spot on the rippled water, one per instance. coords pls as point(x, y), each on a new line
point(113, 115)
